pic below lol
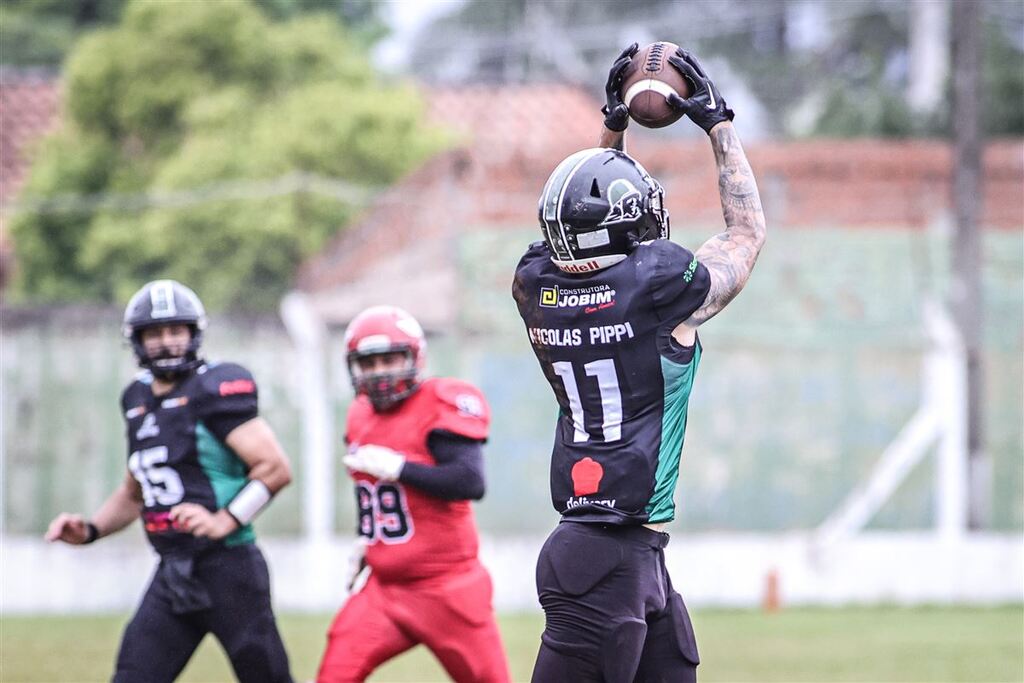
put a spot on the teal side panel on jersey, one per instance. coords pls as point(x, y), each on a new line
point(678, 383)
point(227, 475)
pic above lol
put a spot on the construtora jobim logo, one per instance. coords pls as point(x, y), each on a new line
point(596, 295)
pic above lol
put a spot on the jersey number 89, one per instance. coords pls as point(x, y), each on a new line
point(383, 513)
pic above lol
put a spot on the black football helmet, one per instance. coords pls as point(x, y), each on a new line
point(597, 206)
point(163, 302)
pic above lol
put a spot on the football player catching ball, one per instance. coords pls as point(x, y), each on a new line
point(612, 308)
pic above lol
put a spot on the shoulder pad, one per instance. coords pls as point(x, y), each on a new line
point(533, 262)
point(462, 408)
point(130, 393)
point(539, 249)
point(358, 411)
point(661, 259)
point(226, 379)
point(534, 252)
point(663, 248)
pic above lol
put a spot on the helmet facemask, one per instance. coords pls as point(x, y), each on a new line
point(164, 365)
point(656, 202)
point(385, 389)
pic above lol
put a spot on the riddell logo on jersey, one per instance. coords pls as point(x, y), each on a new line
point(588, 267)
point(598, 296)
point(237, 386)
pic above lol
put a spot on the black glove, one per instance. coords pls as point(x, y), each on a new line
point(616, 114)
point(705, 106)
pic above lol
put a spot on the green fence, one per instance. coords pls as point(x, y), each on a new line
point(806, 377)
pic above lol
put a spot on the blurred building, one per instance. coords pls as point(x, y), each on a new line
point(404, 249)
point(29, 102)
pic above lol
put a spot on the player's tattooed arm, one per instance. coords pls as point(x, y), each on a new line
point(613, 139)
point(730, 256)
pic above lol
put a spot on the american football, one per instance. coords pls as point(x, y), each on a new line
point(648, 81)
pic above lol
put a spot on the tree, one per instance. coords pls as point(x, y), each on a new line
point(42, 32)
point(832, 69)
point(178, 102)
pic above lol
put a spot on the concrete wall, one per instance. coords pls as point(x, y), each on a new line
point(725, 570)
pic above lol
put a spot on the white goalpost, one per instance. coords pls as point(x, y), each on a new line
point(940, 420)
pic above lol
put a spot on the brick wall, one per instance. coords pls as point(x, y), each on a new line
point(871, 184)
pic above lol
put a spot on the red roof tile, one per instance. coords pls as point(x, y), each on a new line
point(514, 136)
point(29, 101)
point(29, 104)
point(515, 121)
point(509, 140)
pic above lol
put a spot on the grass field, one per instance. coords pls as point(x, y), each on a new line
point(854, 644)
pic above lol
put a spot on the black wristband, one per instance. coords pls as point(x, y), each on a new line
point(91, 533)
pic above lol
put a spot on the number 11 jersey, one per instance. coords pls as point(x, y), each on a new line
point(604, 342)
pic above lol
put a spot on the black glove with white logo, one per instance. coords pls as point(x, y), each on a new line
point(705, 105)
point(616, 114)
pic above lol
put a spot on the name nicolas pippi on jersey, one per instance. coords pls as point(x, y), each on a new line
point(591, 299)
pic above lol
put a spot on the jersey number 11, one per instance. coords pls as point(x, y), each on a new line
point(611, 398)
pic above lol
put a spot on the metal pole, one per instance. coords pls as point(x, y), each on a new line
point(965, 290)
point(308, 333)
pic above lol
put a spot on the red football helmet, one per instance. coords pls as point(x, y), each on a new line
point(379, 330)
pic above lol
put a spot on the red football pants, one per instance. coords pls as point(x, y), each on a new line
point(450, 614)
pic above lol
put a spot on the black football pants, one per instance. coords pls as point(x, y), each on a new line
point(226, 592)
point(611, 615)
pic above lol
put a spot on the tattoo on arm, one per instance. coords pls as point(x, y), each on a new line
point(730, 256)
point(612, 139)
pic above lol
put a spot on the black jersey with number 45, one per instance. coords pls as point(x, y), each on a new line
point(177, 450)
point(622, 382)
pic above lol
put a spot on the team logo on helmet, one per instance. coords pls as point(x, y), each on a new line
point(625, 203)
point(161, 300)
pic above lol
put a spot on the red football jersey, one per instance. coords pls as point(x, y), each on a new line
point(410, 534)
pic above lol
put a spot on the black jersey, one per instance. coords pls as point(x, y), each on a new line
point(176, 448)
point(622, 382)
